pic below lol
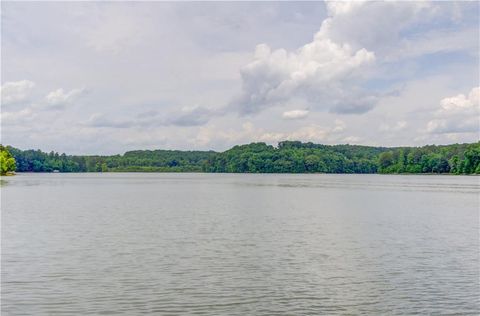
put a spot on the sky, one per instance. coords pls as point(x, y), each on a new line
point(108, 77)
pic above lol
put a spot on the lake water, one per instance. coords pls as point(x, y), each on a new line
point(227, 244)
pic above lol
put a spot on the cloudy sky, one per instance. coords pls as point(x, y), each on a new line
point(103, 78)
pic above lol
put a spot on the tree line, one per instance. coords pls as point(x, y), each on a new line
point(287, 157)
point(140, 161)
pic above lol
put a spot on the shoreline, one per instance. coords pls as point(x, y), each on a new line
point(249, 173)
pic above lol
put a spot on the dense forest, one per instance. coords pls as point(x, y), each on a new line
point(139, 160)
point(287, 157)
point(298, 157)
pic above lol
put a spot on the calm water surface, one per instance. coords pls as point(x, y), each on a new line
point(218, 244)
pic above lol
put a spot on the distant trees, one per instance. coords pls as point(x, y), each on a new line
point(38, 161)
point(455, 159)
point(287, 157)
point(142, 160)
point(297, 157)
point(7, 162)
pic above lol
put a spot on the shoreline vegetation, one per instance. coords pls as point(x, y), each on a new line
point(287, 157)
point(7, 162)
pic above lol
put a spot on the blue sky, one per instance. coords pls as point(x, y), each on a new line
point(102, 78)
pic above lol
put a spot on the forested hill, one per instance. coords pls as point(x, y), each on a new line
point(298, 157)
point(287, 157)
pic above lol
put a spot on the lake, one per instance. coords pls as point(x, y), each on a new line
point(239, 244)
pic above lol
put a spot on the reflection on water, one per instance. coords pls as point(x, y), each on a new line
point(239, 244)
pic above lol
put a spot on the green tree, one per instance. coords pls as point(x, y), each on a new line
point(7, 162)
point(385, 160)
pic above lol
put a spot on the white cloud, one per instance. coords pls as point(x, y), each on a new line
point(457, 114)
point(354, 44)
point(295, 114)
point(324, 73)
point(16, 91)
point(316, 72)
point(373, 25)
point(462, 102)
point(60, 98)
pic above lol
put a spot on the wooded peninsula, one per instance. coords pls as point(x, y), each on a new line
point(287, 157)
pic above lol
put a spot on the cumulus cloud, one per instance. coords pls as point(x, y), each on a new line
point(32, 110)
point(60, 98)
point(332, 71)
point(318, 72)
point(324, 73)
point(372, 24)
point(457, 114)
point(16, 91)
point(295, 114)
point(461, 102)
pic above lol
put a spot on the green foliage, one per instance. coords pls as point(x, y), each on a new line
point(141, 160)
point(288, 157)
point(7, 162)
point(455, 159)
point(38, 161)
point(296, 157)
